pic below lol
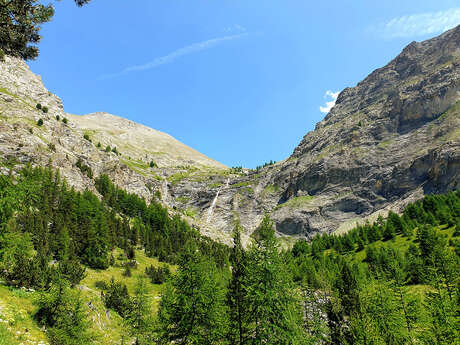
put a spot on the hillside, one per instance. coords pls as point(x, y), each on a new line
point(388, 141)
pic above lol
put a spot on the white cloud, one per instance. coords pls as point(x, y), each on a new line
point(419, 24)
point(190, 49)
point(329, 104)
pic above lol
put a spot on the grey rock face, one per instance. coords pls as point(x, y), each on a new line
point(389, 140)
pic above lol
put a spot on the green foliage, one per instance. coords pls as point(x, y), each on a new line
point(58, 118)
point(65, 120)
point(38, 106)
point(45, 109)
point(116, 297)
point(275, 316)
point(158, 275)
point(61, 310)
point(161, 235)
point(267, 164)
point(237, 294)
point(17, 259)
point(20, 26)
point(40, 122)
point(192, 310)
point(371, 294)
point(153, 164)
point(85, 169)
point(86, 136)
point(139, 318)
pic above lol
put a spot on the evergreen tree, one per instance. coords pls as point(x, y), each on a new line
point(61, 310)
point(237, 294)
point(139, 318)
point(20, 22)
point(274, 307)
point(192, 310)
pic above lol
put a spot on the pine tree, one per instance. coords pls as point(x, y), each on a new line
point(274, 306)
point(139, 318)
point(61, 310)
point(192, 310)
point(237, 295)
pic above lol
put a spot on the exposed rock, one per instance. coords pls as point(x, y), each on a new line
point(386, 142)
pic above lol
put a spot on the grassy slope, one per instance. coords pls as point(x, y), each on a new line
point(17, 325)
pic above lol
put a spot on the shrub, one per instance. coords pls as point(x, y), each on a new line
point(117, 298)
point(39, 106)
point(127, 271)
point(58, 117)
point(158, 275)
point(65, 120)
point(99, 145)
point(108, 149)
point(45, 109)
point(153, 164)
point(40, 122)
point(114, 150)
point(86, 136)
point(102, 285)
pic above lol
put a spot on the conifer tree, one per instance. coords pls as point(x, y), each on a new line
point(274, 305)
point(237, 294)
point(139, 318)
point(192, 310)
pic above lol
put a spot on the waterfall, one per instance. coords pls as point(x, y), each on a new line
point(214, 201)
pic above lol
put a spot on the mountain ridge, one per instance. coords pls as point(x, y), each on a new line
point(387, 141)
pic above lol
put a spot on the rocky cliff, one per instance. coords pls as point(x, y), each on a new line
point(390, 139)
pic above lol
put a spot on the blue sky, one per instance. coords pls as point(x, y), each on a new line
point(241, 81)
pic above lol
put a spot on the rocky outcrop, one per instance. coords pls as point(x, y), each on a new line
point(389, 140)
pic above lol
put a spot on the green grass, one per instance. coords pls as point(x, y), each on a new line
point(177, 177)
point(17, 306)
point(241, 184)
point(384, 144)
point(297, 202)
point(182, 199)
point(5, 91)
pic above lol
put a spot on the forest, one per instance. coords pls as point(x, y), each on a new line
point(393, 281)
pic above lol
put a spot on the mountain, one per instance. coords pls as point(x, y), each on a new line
point(389, 140)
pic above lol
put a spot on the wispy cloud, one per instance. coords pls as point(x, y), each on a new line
point(235, 28)
point(332, 96)
point(190, 49)
point(419, 24)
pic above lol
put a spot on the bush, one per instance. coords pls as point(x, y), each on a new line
point(39, 106)
point(86, 136)
point(99, 145)
point(152, 164)
point(40, 122)
point(114, 150)
point(58, 117)
point(158, 275)
point(45, 109)
point(102, 285)
point(117, 298)
point(72, 271)
point(108, 149)
point(127, 271)
point(65, 120)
